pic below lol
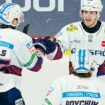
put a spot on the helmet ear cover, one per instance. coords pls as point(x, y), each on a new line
point(9, 12)
point(15, 22)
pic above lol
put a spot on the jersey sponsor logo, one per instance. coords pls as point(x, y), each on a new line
point(31, 47)
point(82, 87)
point(82, 102)
point(75, 41)
point(92, 52)
point(103, 44)
point(6, 44)
point(81, 94)
point(97, 52)
point(72, 28)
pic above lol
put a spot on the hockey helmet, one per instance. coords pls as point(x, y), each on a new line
point(10, 11)
point(91, 5)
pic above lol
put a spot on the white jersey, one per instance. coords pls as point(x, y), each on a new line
point(87, 49)
point(16, 51)
point(73, 90)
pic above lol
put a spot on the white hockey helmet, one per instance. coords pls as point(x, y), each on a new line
point(10, 11)
point(91, 5)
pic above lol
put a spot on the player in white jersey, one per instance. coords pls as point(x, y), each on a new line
point(76, 89)
point(85, 40)
point(16, 50)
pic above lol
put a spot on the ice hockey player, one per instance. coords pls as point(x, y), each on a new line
point(16, 50)
point(85, 39)
point(79, 88)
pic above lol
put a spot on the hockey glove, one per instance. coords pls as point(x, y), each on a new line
point(45, 44)
point(50, 46)
point(39, 44)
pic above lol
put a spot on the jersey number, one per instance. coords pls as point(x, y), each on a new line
point(3, 53)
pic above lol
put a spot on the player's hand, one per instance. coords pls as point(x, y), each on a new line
point(50, 45)
point(40, 44)
point(47, 44)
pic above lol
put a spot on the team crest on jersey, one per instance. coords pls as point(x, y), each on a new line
point(103, 44)
point(31, 47)
point(72, 28)
point(90, 38)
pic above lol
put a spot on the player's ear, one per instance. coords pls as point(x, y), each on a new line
point(15, 22)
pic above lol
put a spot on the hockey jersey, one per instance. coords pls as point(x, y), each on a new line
point(16, 51)
point(73, 90)
point(87, 50)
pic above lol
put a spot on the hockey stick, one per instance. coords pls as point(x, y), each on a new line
point(26, 28)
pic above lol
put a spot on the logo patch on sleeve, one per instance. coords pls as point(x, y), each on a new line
point(31, 47)
point(103, 44)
